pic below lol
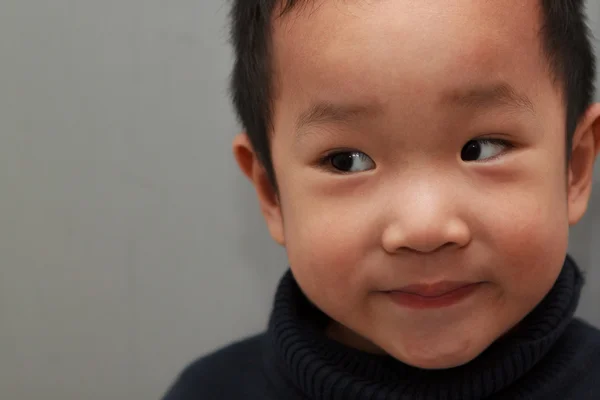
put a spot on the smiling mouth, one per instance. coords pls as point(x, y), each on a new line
point(433, 296)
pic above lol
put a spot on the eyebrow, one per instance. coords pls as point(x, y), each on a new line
point(327, 112)
point(475, 97)
point(489, 96)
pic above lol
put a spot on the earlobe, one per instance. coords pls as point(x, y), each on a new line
point(268, 199)
point(585, 147)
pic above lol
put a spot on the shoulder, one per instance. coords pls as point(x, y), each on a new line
point(590, 336)
point(583, 331)
point(584, 339)
point(227, 373)
point(581, 340)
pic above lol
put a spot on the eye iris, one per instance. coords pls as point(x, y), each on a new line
point(471, 151)
point(343, 161)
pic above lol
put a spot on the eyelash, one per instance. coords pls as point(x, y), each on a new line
point(493, 141)
point(325, 160)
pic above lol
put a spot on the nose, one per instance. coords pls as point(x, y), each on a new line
point(425, 221)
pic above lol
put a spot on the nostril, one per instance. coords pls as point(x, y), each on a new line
point(427, 250)
point(423, 238)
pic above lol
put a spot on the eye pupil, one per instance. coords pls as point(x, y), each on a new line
point(471, 151)
point(343, 161)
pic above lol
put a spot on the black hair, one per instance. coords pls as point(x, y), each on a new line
point(565, 39)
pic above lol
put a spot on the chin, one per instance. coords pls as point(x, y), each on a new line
point(439, 363)
point(437, 356)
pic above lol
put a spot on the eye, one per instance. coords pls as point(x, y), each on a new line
point(350, 161)
point(483, 149)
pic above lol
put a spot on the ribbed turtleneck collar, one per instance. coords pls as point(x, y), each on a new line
point(323, 369)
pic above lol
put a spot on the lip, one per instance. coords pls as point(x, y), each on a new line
point(438, 295)
point(433, 289)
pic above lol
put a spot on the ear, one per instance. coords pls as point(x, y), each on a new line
point(585, 147)
point(267, 196)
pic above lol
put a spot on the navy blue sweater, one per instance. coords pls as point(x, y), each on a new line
point(550, 356)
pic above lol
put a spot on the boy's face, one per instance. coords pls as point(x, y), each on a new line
point(452, 137)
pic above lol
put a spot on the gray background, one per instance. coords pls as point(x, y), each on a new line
point(129, 242)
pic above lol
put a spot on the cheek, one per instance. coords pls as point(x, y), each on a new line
point(326, 246)
point(528, 232)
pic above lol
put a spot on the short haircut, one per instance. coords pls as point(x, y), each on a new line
point(565, 39)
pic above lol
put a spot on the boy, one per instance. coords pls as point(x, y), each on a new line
point(421, 162)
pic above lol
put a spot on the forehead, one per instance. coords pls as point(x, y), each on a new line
point(388, 51)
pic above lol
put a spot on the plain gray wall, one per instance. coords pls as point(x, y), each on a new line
point(129, 242)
